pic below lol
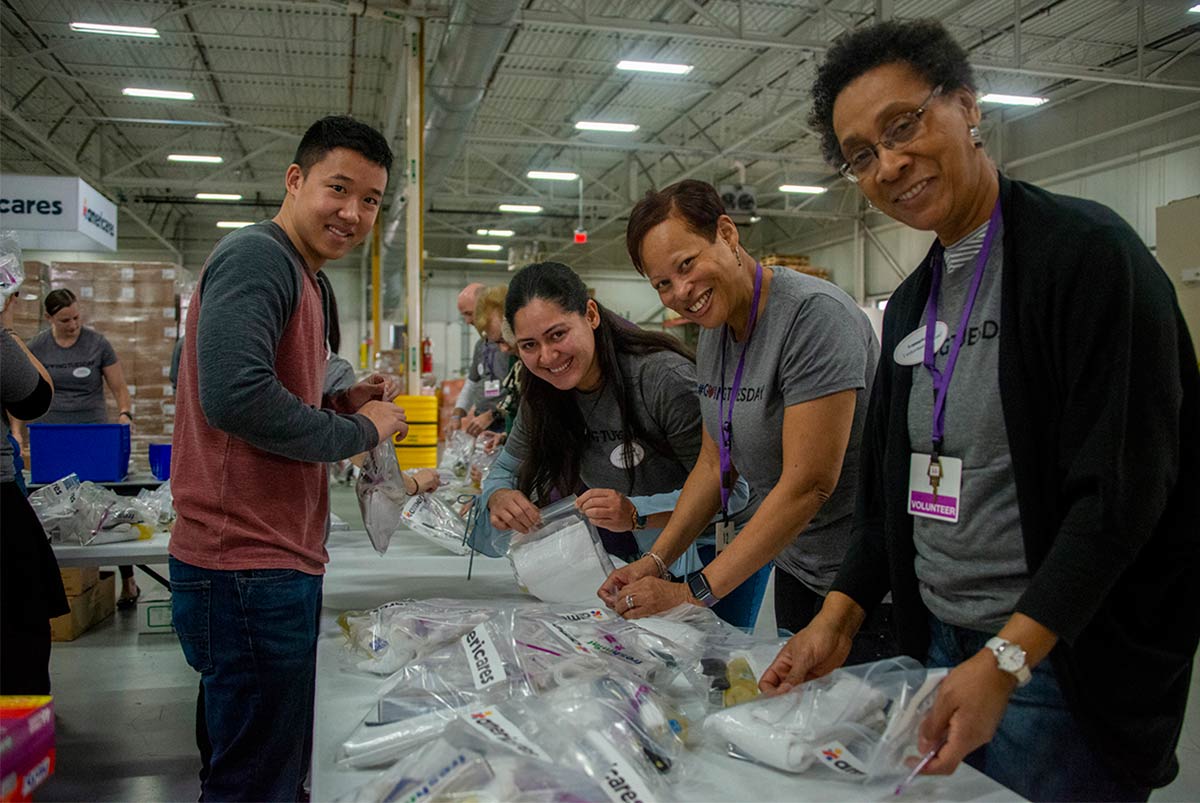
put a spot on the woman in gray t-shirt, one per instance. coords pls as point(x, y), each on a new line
point(604, 404)
point(784, 369)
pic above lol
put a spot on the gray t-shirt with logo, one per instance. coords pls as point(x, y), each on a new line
point(811, 341)
point(665, 382)
point(78, 375)
point(972, 572)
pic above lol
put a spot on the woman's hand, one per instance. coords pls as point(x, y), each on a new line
point(606, 508)
point(423, 480)
point(970, 703)
point(510, 509)
point(648, 596)
point(814, 652)
point(610, 589)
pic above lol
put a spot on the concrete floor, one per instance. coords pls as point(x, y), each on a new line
point(125, 706)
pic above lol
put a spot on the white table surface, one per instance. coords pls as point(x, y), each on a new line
point(123, 553)
point(357, 578)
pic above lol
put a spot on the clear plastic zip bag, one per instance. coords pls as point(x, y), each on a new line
point(384, 640)
point(481, 668)
point(859, 722)
point(435, 521)
point(381, 496)
point(562, 560)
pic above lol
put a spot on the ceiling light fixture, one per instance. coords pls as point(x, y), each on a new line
point(1012, 100)
point(234, 224)
point(495, 232)
point(620, 128)
point(804, 189)
point(552, 175)
point(115, 30)
point(654, 66)
point(217, 196)
point(525, 209)
point(162, 94)
point(195, 157)
point(484, 247)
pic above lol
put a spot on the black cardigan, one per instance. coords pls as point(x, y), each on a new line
point(1101, 398)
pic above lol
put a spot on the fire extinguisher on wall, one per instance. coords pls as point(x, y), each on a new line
point(427, 356)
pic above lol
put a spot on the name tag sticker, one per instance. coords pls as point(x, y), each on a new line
point(941, 503)
point(911, 350)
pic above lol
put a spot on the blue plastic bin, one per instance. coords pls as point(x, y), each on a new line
point(96, 452)
point(160, 461)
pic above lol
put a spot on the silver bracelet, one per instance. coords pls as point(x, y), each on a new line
point(662, 566)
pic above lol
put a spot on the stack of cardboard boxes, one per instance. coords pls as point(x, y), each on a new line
point(28, 315)
point(92, 595)
point(133, 304)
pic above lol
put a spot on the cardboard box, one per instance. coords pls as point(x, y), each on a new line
point(88, 609)
point(154, 613)
point(77, 581)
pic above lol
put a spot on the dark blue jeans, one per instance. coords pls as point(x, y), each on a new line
point(252, 636)
point(1038, 751)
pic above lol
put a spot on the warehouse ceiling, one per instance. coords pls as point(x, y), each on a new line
point(514, 78)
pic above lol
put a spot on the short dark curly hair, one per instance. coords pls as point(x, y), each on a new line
point(923, 44)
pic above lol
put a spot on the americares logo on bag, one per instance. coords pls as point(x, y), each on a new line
point(484, 660)
point(837, 757)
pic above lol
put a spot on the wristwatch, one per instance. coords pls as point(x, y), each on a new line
point(698, 585)
point(1010, 658)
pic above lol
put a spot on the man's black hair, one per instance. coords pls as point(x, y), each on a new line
point(339, 131)
point(923, 44)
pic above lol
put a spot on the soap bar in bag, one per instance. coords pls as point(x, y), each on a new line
point(563, 560)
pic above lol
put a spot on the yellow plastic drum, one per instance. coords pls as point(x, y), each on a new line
point(419, 448)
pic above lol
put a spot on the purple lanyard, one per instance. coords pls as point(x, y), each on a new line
point(726, 441)
point(941, 379)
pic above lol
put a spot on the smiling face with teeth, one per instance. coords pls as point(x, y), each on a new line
point(699, 279)
point(939, 181)
point(331, 207)
point(558, 346)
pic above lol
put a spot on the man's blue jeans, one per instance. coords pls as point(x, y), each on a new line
point(252, 636)
point(1038, 751)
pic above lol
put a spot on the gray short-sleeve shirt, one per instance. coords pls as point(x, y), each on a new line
point(811, 341)
point(665, 382)
point(78, 375)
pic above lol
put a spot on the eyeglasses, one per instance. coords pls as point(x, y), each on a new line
point(900, 130)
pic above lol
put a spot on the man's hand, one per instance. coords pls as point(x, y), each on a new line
point(511, 510)
point(814, 652)
point(388, 419)
point(476, 425)
point(420, 481)
point(607, 508)
point(970, 703)
point(376, 387)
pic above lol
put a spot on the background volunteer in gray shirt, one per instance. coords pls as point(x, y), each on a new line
point(784, 372)
point(80, 361)
point(603, 403)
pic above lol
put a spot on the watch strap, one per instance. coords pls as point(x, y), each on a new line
point(700, 589)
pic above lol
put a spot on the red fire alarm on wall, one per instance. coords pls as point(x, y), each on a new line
point(580, 236)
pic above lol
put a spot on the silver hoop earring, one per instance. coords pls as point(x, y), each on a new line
point(976, 137)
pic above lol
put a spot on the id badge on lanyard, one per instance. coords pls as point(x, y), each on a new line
point(725, 528)
point(935, 480)
point(491, 388)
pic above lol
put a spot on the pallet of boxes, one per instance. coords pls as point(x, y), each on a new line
point(92, 595)
point(796, 262)
point(134, 305)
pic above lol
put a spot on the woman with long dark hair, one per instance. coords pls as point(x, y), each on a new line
point(604, 405)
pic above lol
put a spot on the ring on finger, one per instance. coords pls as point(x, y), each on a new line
point(628, 601)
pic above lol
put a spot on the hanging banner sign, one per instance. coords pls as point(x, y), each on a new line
point(60, 213)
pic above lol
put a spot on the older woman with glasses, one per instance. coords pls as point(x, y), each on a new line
point(1031, 453)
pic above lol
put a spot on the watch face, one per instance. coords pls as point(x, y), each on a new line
point(698, 587)
point(1011, 658)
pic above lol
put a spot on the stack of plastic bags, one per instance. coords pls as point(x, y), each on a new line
point(74, 512)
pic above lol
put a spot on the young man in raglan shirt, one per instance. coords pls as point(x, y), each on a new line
point(252, 436)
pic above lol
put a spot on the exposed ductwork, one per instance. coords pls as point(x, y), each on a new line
point(477, 31)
